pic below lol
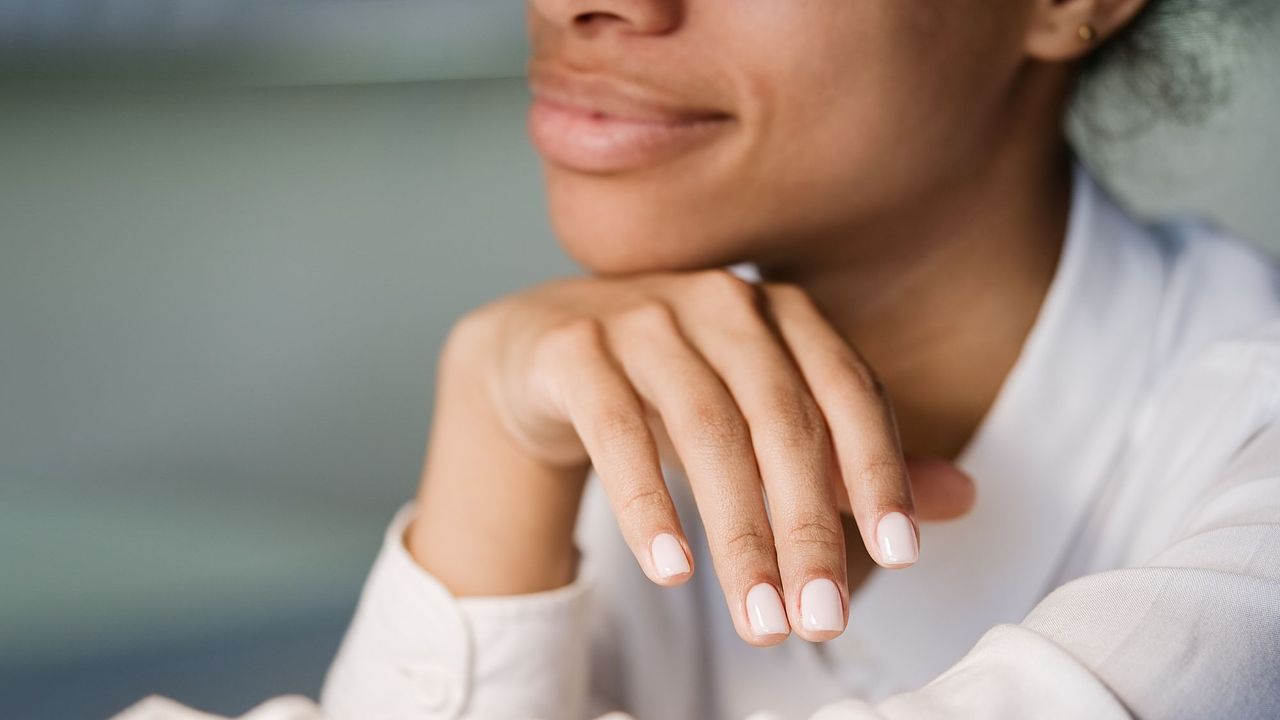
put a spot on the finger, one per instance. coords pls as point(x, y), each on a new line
point(863, 430)
point(714, 445)
point(609, 418)
point(942, 491)
point(791, 446)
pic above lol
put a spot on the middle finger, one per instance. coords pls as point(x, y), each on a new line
point(714, 444)
point(792, 448)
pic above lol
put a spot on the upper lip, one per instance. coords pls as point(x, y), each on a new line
point(613, 96)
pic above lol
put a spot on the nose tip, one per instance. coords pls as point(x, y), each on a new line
point(640, 17)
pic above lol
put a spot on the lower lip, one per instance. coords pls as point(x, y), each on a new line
point(592, 142)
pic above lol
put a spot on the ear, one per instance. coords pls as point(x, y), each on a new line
point(1064, 30)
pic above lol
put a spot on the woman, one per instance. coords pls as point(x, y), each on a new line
point(926, 290)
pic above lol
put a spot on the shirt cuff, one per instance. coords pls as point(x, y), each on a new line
point(416, 651)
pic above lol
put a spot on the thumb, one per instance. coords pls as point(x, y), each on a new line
point(942, 491)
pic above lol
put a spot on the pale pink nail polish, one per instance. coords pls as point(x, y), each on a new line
point(668, 556)
point(764, 608)
point(896, 537)
point(821, 606)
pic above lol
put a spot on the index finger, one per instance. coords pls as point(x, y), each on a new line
point(863, 430)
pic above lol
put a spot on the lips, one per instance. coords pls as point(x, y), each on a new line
point(601, 124)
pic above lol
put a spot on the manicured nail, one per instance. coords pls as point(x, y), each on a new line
point(764, 607)
point(897, 538)
point(668, 556)
point(821, 607)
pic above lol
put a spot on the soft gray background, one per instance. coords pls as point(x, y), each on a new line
point(220, 304)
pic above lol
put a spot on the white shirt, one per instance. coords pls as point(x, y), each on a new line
point(1122, 560)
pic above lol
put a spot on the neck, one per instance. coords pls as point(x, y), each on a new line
point(940, 299)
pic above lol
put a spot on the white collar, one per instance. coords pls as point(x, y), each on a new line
point(1038, 457)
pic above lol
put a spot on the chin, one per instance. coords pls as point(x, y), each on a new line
point(625, 230)
point(621, 248)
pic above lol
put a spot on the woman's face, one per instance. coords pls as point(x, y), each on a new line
point(689, 133)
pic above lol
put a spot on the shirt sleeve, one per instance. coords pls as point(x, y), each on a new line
point(1193, 633)
point(415, 651)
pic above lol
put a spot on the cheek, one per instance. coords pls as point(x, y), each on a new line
point(895, 103)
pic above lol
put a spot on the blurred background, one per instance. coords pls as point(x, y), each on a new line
point(232, 237)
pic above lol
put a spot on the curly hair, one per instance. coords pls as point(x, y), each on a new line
point(1171, 64)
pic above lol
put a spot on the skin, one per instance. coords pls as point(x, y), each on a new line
point(897, 172)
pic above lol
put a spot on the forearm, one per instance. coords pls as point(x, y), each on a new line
point(492, 520)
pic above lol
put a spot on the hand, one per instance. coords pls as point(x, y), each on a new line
point(755, 391)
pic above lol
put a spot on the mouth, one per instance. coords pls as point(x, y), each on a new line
point(599, 124)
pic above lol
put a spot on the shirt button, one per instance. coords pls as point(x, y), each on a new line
point(436, 688)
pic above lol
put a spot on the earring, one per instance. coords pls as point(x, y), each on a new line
point(1087, 33)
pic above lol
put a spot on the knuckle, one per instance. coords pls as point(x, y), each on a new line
point(572, 340)
point(874, 385)
point(853, 380)
point(472, 322)
point(472, 335)
point(717, 427)
point(864, 378)
point(815, 535)
point(748, 541)
point(795, 422)
point(722, 289)
point(616, 423)
point(648, 503)
point(649, 319)
point(877, 473)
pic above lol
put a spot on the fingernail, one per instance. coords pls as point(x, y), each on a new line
point(821, 607)
point(764, 607)
point(897, 538)
point(668, 556)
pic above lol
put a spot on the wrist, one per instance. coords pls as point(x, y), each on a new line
point(492, 519)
